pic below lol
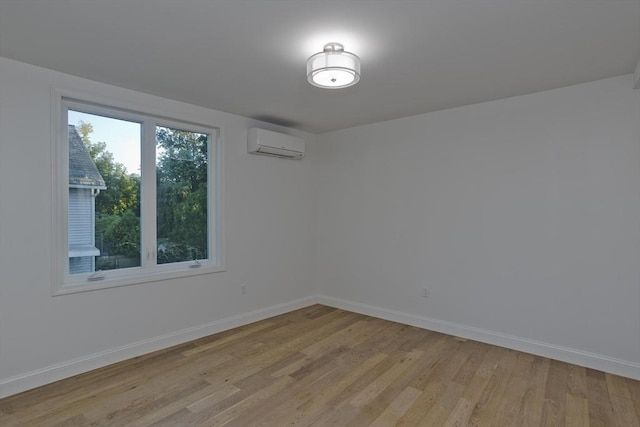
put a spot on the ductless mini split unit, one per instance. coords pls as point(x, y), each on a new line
point(269, 143)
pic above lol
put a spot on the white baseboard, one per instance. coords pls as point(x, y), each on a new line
point(577, 357)
point(49, 374)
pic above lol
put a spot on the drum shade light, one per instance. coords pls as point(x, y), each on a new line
point(333, 68)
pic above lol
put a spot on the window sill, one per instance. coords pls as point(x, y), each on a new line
point(116, 282)
point(83, 250)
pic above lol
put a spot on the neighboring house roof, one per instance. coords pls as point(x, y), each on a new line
point(82, 169)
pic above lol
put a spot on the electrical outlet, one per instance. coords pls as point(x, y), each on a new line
point(425, 292)
point(243, 289)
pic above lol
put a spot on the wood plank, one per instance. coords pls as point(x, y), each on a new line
point(397, 408)
point(512, 399)
point(621, 403)
point(423, 403)
point(194, 402)
point(322, 366)
point(381, 393)
point(600, 410)
point(577, 414)
point(554, 407)
point(501, 368)
point(468, 370)
point(533, 399)
point(634, 392)
point(373, 389)
point(438, 414)
point(339, 383)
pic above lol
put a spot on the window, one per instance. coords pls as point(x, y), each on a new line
point(138, 198)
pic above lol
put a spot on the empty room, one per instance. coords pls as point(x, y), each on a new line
point(319, 213)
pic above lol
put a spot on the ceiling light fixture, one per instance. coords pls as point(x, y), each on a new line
point(333, 68)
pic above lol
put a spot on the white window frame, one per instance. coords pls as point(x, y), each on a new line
point(149, 271)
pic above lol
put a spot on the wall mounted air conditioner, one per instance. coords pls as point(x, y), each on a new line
point(269, 143)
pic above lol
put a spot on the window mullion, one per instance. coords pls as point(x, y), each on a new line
point(61, 202)
point(214, 171)
point(148, 194)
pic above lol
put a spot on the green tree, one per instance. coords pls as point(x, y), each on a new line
point(117, 208)
point(181, 191)
point(181, 186)
point(123, 189)
point(120, 234)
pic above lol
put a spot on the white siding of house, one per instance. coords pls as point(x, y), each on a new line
point(81, 228)
point(82, 264)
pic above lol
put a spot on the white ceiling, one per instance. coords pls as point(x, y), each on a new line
point(248, 57)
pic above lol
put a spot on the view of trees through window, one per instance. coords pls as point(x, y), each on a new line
point(181, 199)
point(181, 192)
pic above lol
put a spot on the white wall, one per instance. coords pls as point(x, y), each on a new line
point(270, 225)
point(521, 216)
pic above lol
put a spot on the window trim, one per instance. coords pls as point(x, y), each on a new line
point(63, 283)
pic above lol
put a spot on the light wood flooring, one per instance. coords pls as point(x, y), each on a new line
point(322, 366)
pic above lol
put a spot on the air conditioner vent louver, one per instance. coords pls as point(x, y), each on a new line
point(269, 143)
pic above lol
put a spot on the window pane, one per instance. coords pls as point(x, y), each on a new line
point(181, 186)
point(104, 193)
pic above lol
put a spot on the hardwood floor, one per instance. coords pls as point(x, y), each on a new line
point(322, 366)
